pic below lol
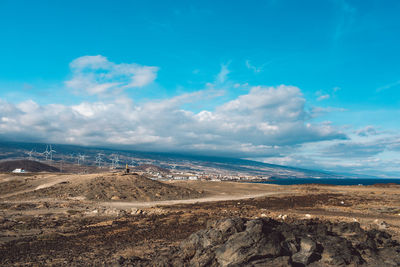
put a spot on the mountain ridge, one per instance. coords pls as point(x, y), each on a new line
point(167, 160)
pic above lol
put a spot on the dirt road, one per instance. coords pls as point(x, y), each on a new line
point(149, 204)
point(52, 226)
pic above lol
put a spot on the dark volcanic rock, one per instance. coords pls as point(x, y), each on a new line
point(266, 242)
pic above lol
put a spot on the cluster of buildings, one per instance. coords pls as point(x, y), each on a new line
point(192, 176)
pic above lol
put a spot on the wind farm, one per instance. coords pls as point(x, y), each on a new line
point(148, 210)
point(200, 133)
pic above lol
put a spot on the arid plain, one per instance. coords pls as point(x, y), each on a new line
point(115, 218)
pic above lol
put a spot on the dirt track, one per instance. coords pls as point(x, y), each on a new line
point(78, 231)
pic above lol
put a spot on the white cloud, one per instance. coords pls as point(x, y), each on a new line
point(96, 75)
point(239, 85)
point(366, 131)
point(93, 62)
point(375, 155)
point(323, 97)
point(352, 149)
point(266, 121)
point(254, 68)
point(388, 86)
point(345, 19)
point(320, 111)
point(223, 74)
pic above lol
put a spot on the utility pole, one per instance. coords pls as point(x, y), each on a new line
point(61, 163)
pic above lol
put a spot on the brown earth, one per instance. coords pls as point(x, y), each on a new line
point(51, 227)
point(27, 165)
point(104, 187)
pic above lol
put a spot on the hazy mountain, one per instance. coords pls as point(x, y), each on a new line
point(70, 153)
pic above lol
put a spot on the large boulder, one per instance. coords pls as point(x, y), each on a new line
point(266, 242)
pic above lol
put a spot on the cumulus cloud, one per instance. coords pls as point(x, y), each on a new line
point(373, 155)
point(97, 75)
point(366, 131)
point(322, 95)
point(356, 149)
point(264, 122)
point(360, 156)
point(366, 144)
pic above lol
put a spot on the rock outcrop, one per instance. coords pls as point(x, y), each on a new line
point(267, 242)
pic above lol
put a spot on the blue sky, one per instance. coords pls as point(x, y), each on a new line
point(304, 83)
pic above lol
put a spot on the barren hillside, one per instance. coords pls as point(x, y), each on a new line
point(27, 165)
point(102, 187)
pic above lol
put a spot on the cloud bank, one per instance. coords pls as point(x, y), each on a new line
point(270, 124)
point(266, 121)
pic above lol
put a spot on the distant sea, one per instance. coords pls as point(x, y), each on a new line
point(346, 181)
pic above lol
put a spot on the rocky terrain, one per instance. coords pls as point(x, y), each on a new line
point(99, 219)
point(267, 242)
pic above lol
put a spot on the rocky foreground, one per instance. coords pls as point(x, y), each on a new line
point(267, 242)
point(104, 220)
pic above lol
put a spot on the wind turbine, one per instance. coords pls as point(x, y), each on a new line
point(99, 159)
point(81, 158)
point(30, 153)
point(46, 153)
point(51, 151)
point(133, 163)
point(61, 163)
point(114, 162)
